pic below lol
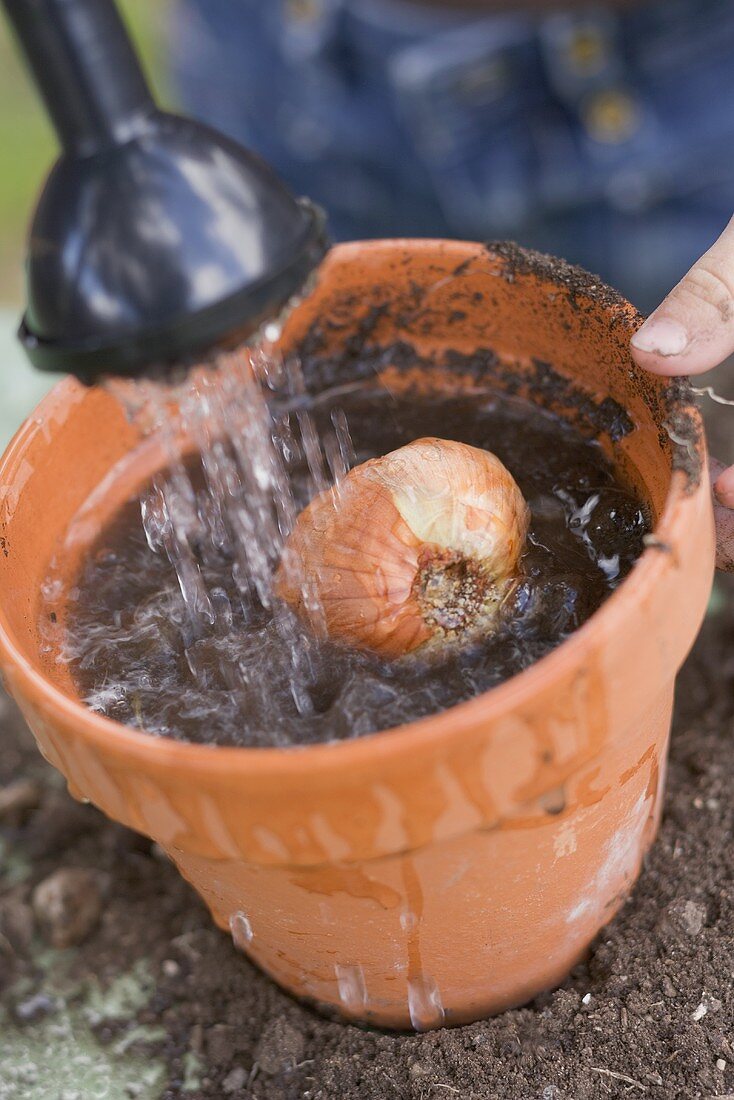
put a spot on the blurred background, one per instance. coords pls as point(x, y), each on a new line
point(602, 133)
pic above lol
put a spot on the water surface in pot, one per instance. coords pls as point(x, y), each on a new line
point(207, 656)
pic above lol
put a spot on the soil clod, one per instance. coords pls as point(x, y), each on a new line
point(68, 905)
point(17, 800)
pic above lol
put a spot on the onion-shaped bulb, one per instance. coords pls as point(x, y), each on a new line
point(415, 548)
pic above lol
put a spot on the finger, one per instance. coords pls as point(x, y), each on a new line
point(693, 329)
point(724, 488)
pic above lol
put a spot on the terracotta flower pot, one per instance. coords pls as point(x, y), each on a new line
point(451, 868)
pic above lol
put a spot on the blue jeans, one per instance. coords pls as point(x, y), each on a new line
point(606, 137)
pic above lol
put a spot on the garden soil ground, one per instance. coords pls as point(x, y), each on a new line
point(650, 1012)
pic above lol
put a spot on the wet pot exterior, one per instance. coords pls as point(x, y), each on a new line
point(454, 867)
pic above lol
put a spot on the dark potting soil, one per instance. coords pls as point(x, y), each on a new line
point(137, 656)
point(649, 1014)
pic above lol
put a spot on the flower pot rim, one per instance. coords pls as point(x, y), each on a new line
point(431, 732)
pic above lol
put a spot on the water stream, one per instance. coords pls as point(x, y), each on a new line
point(261, 457)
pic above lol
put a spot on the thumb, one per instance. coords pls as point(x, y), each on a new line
point(724, 485)
point(693, 330)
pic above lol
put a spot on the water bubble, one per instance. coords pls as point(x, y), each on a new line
point(610, 566)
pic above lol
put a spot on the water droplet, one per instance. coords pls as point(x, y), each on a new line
point(241, 930)
point(272, 332)
point(352, 988)
point(424, 1004)
point(408, 921)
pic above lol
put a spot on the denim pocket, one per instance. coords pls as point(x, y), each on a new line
point(469, 99)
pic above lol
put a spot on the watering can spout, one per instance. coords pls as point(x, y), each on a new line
point(156, 240)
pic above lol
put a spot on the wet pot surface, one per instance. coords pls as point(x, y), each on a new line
point(458, 864)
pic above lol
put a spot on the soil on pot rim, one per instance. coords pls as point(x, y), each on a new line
point(650, 1013)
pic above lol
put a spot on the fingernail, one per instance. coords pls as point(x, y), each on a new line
point(660, 335)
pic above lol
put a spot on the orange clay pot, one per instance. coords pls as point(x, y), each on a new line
point(456, 866)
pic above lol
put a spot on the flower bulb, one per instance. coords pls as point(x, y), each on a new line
point(417, 547)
